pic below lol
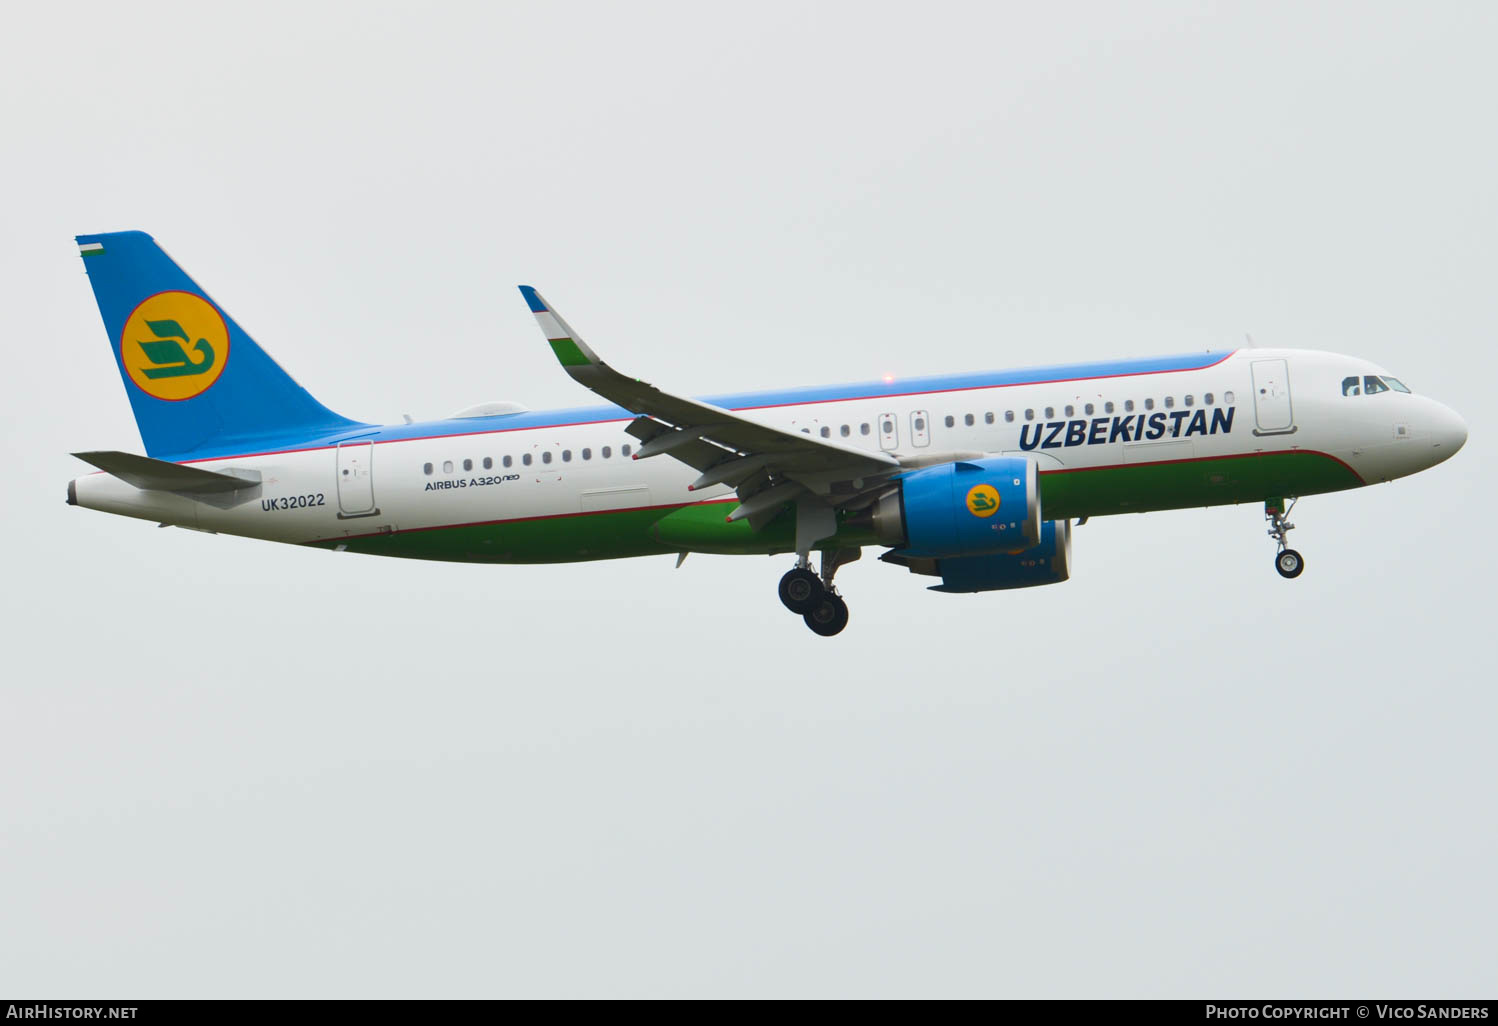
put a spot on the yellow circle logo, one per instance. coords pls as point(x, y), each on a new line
point(983, 500)
point(174, 345)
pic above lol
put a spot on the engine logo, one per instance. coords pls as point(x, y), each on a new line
point(983, 500)
point(174, 345)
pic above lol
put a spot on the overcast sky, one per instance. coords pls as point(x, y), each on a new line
point(231, 768)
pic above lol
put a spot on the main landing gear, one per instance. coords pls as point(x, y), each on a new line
point(1287, 561)
point(814, 598)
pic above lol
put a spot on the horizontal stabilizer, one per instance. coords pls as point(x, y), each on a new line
point(161, 476)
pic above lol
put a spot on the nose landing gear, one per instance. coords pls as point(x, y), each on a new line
point(814, 598)
point(1287, 561)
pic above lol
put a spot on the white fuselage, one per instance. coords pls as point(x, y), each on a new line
point(453, 475)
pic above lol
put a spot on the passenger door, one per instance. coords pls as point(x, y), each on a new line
point(1272, 409)
point(356, 480)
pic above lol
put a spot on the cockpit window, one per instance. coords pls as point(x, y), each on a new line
point(1371, 384)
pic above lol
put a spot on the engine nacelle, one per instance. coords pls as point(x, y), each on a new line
point(965, 508)
point(1046, 563)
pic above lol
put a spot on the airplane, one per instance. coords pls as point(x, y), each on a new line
point(973, 479)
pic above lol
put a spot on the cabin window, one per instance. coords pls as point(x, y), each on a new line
point(1373, 386)
point(426, 468)
point(826, 432)
point(1188, 400)
point(468, 464)
point(1050, 413)
point(988, 418)
point(1008, 416)
point(1071, 411)
point(1170, 402)
point(526, 459)
point(863, 429)
point(1108, 407)
point(1207, 399)
point(624, 450)
point(845, 431)
point(1227, 397)
point(508, 461)
point(488, 463)
point(1128, 406)
point(447, 466)
point(888, 427)
point(1089, 409)
point(920, 423)
point(566, 455)
point(968, 420)
point(546, 456)
point(587, 454)
point(951, 421)
point(1029, 414)
point(606, 452)
point(1149, 404)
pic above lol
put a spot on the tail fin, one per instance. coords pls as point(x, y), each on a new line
point(196, 381)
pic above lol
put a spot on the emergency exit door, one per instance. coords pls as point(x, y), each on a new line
point(1272, 409)
point(356, 480)
point(920, 428)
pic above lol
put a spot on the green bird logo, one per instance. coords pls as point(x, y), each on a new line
point(171, 360)
point(982, 500)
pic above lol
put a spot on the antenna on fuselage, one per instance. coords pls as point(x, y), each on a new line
point(1249, 339)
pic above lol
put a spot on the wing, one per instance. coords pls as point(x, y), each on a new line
point(767, 466)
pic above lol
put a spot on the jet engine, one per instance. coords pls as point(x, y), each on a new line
point(1046, 563)
point(964, 508)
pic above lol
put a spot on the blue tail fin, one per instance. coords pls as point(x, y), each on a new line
point(196, 381)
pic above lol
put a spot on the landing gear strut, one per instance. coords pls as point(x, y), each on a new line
point(1287, 561)
point(814, 597)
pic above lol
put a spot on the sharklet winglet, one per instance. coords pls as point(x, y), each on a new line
point(571, 352)
point(533, 299)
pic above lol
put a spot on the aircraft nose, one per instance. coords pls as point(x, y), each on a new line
point(1448, 433)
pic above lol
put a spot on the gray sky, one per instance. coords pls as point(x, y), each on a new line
point(237, 769)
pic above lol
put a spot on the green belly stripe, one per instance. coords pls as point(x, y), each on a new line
point(1066, 495)
point(563, 539)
